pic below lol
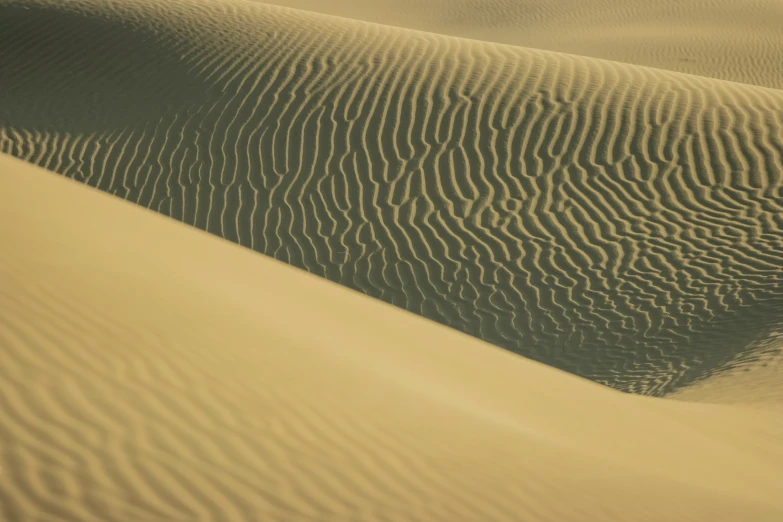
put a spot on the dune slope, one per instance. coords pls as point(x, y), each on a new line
point(724, 39)
point(617, 222)
point(152, 372)
point(755, 378)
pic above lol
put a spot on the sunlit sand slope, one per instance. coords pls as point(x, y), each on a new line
point(620, 223)
point(732, 40)
point(152, 372)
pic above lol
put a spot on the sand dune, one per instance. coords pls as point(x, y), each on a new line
point(152, 372)
point(756, 378)
point(617, 222)
point(724, 39)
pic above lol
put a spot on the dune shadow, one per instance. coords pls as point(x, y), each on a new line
point(619, 224)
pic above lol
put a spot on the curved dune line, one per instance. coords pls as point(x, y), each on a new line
point(713, 38)
point(152, 372)
point(620, 223)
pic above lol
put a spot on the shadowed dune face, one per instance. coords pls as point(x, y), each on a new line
point(620, 223)
point(66, 89)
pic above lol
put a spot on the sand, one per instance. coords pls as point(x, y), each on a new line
point(755, 380)
point(618, 222)
point(458, 203)
point(739, 41)
point(154, 372)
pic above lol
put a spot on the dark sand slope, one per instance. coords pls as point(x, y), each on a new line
point(154, 373)
point(740, 41)
point(620, 223)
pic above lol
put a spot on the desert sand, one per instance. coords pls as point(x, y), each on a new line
point(619, 222)
point(544, 243)
point(154, 372)
point(740, 41)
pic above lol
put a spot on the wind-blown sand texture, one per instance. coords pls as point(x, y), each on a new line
point(152, 372)
point(732, 40)
point(617, 222)
point(755, 379)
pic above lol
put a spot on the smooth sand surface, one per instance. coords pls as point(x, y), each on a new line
point(618, 222)
point(153, 372)
point(736, 40)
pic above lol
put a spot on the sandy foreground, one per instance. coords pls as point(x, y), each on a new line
point(154, 372)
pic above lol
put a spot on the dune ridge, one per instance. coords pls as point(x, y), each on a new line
point(618, 222)
point(724, 39)
point(153, 372)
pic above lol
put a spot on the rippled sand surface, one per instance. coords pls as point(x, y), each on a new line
point(618, 222)
point(732, 40)
point(410, 271)
point(152, 372)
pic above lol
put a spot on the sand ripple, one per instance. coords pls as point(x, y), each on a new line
point(620, 223)
point(153, 373)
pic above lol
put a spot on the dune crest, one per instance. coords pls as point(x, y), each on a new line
point(618, 222)
point(153, 372)
point(723, 39)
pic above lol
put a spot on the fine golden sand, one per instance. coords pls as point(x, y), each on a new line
point(618, 222)
point(736, 40)
point(152, 372)
point(499, 206)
